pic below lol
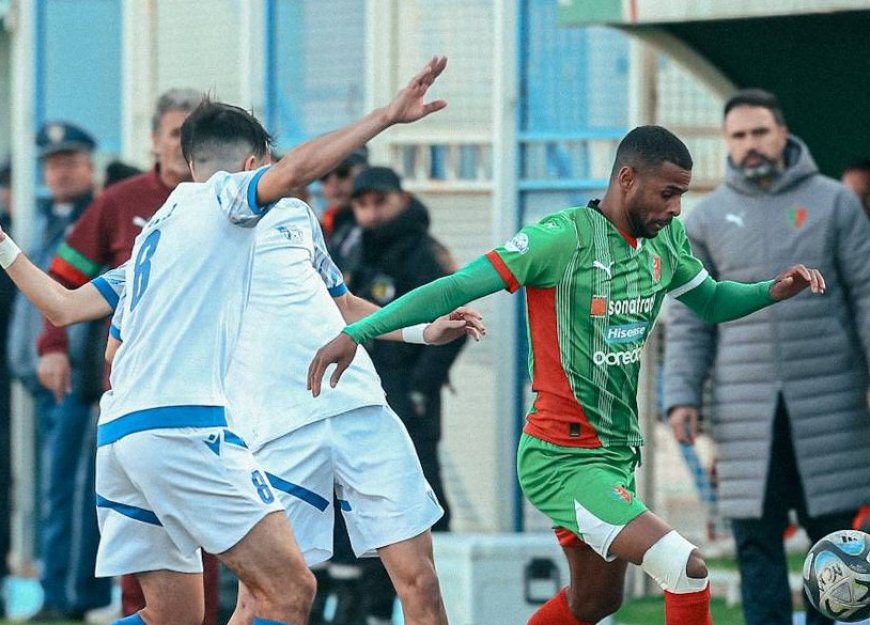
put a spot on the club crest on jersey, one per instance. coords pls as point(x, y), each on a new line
point(520, 243)
point(619, 492)
point(383, 290)
point(657, 268)
point(599, 306)
point(291, 233)
point(797, 216)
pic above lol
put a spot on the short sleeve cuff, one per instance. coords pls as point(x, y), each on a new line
point(102, 285)
point(338, 291)
point(252, 192)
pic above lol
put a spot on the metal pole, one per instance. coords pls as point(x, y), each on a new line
point(505, 217)
point(21, 23)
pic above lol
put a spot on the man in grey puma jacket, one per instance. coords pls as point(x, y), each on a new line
point(790, 383)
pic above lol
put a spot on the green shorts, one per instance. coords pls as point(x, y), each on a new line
point(590, 492)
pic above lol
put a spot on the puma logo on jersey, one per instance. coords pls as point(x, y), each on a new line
point(734, 219)
point(597, 264)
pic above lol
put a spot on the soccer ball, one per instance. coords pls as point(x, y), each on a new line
point(837, 576)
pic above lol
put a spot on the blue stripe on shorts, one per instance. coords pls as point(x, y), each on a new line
point(134, 512)
point(298, 491)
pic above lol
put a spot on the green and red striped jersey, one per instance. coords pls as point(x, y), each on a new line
point(592, 297)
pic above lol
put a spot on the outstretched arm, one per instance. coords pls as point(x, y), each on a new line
point(477, 279)
point(61, 306)
point(717, 302)
point(445, 329)
point(318, 156)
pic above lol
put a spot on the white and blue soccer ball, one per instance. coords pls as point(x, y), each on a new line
point(837, 576)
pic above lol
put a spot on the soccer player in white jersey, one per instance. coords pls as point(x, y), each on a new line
point(172, 476)
point(348, 441)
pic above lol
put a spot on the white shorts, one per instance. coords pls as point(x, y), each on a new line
point(368, 459)
point(163, 494)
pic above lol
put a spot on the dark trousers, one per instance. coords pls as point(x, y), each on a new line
point(69, 536)
point(760, 548)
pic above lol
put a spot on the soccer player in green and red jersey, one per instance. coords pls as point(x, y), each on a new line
point(595, 279)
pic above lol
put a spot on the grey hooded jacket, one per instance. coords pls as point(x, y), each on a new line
point(813, 350)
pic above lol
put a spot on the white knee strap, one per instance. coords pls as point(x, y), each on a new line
point(666, 563)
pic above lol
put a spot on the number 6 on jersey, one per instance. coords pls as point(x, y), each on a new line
point(142, 267)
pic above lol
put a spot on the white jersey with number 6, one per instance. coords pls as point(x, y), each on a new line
point(187, 286)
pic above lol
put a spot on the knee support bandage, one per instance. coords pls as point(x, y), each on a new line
point(666, 563)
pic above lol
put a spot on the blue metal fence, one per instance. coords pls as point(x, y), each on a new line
point(573, 109)
point(78, 66)
point(315, 67)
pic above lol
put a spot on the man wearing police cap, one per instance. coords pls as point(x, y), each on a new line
point(68, 534)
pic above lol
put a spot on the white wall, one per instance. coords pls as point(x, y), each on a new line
point(215, 46)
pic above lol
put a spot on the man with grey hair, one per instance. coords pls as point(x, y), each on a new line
point(103, 237)
point(790, 383)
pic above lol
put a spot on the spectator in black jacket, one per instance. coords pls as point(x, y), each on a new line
point(398, 254)
point(392, 253)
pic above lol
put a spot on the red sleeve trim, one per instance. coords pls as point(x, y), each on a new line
point(506, 274)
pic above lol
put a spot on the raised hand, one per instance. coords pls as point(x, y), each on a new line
point(409, 105)
point(794, 280)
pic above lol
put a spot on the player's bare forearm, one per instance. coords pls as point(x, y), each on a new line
point(61, 306)
point(314, 158)
point(354, 308)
